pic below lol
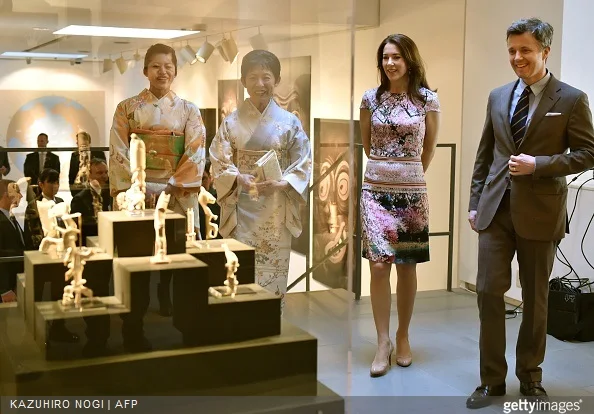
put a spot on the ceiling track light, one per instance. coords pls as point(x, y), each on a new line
point(28, 60)
point(227, 49)
point(258, 42)
point(107, 65)
point(205, 51)
point(121, 64)
point(188, 53)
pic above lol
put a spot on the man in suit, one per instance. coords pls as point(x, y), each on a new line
point(4, 164)
point(84, 201)
point(518, 202)
point(11, 241)
point(38, 161)
point(83, 142)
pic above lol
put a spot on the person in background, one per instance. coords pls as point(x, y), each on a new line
point(83, 142)
point(38, 161)
point(11, 241)
point(4, 164)
point(91, 200)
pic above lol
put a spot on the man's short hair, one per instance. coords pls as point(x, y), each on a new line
point(49, 175)
point(96, 161)
point(4, 186)
point(43, 134)
point(542, 31)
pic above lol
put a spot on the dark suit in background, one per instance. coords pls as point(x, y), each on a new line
point(4, 163)
point(82, 203)
point(524, 215)
point(74, 167)
point(11, 244)
point(31, 167)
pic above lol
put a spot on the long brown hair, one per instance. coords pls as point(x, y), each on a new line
point(416, 67)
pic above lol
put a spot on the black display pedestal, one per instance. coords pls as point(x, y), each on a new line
point(212, 253)
point(126, 235)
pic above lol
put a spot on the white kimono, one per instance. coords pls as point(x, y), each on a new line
point(268, 223)
point(170, 114)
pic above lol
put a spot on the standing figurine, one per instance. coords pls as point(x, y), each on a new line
point(75, 259)
point(232, 265)
point(160, 237)
point(204, 199)
point(84, 164)
point(231, 281)
point(133, 198)
point(55, 233)
point(190, 231)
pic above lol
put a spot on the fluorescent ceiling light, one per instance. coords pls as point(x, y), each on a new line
point(129, 32)
point(39, 55)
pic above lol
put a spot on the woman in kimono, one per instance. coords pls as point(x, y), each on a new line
point(266, 221)
point(174, 135)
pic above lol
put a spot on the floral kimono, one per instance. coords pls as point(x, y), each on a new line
point(267, 223)
point(174, 135)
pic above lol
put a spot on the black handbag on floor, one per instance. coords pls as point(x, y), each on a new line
point(570, 311)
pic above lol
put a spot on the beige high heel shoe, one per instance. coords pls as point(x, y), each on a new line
point(383, 368)
point(404, 360)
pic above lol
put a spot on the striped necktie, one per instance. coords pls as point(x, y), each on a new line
point(518, 121)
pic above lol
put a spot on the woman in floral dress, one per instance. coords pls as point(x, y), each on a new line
point(399, 124)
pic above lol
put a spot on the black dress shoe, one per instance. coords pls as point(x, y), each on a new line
point(62, 335)
point(481, 396)
point(534, 390)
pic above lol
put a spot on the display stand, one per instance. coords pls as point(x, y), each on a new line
point(224, 345)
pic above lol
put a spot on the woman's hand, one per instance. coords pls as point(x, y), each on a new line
point(269, 187)
point(246, 181)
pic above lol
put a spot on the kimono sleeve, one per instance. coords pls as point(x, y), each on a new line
point(191, 166)
point(119, 151)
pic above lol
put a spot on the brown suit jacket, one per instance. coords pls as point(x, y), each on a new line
point(538, 201)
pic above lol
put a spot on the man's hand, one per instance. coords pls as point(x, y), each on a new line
point(269, 187)
point(522, 164)
point(472, 220)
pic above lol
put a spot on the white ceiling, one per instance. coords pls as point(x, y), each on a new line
point(20, 21)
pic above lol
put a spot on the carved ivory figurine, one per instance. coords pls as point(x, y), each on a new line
point(231, 282)
point(84, 164)
point(133, 198)
point(160, 238)
point(205, 198)
point(54, 235)
point(190, 231)
point(75, 260)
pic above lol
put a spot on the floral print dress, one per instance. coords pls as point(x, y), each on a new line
point(394, 203)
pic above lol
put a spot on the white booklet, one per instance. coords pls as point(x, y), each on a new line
point(268, 167)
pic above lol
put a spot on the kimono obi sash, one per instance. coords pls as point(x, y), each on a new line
point(164, 150)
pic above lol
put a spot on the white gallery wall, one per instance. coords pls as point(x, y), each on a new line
point(486, 66)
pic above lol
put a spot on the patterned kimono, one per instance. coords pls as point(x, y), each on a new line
point(168, 117)
point(268, 223)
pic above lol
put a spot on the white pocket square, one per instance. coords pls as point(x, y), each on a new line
point(553, 114)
